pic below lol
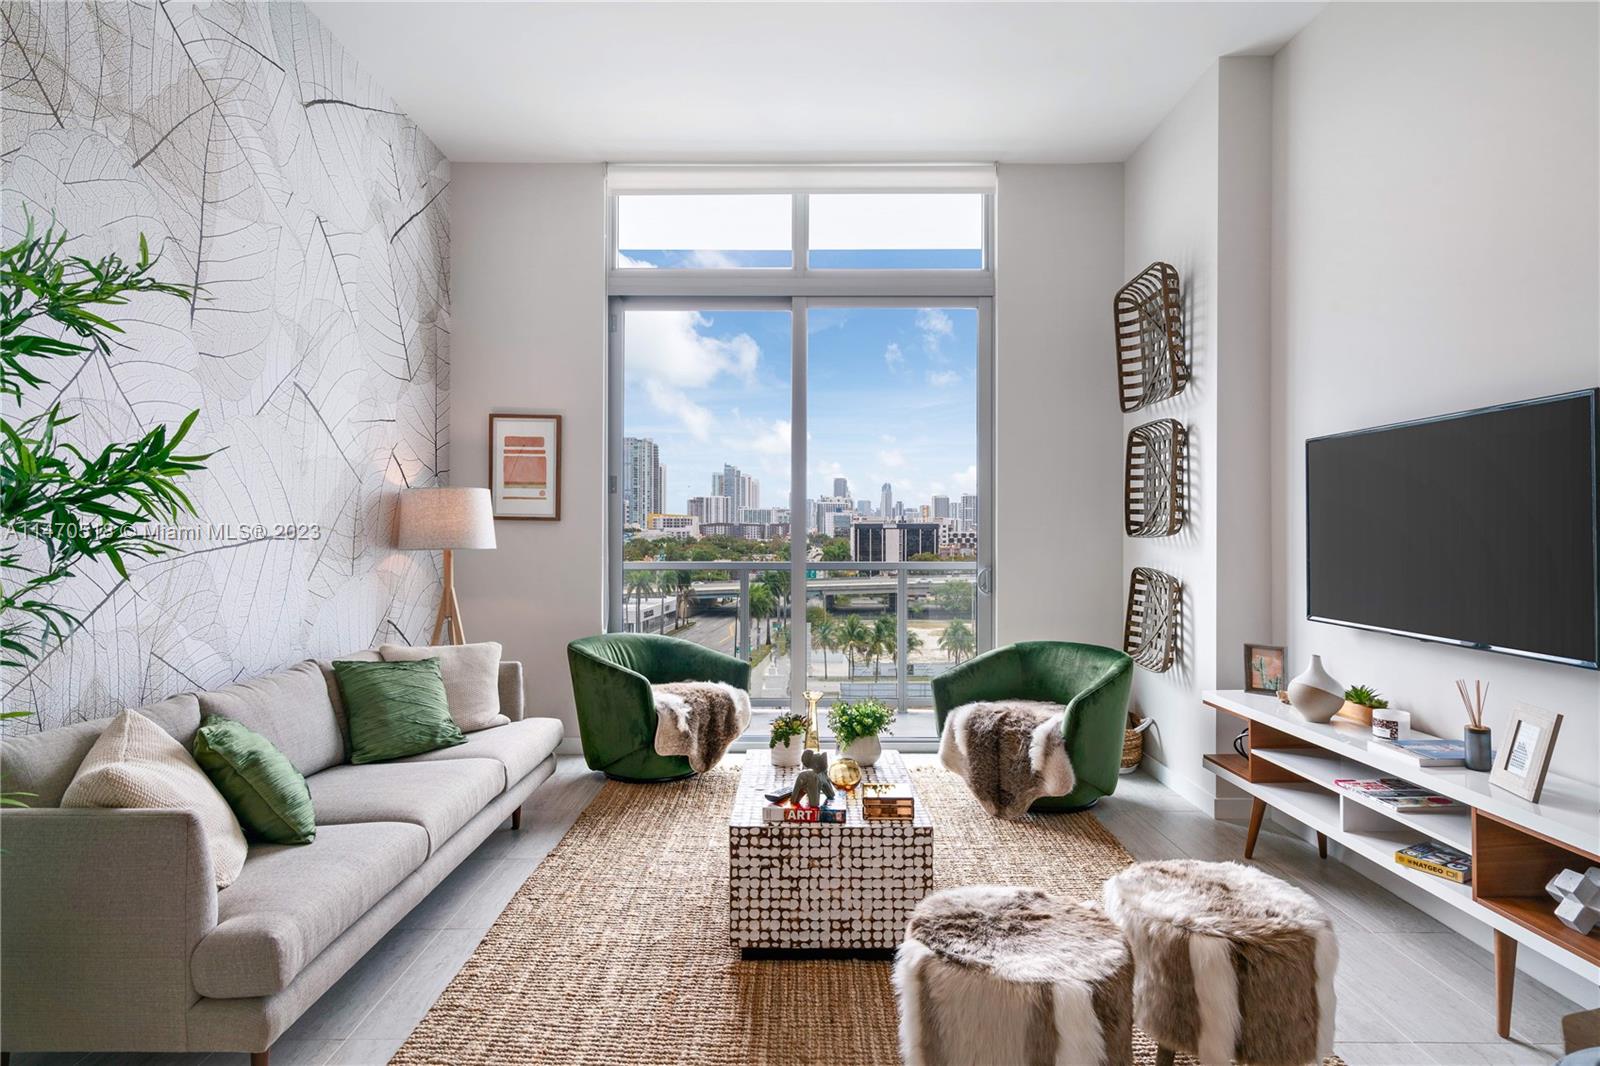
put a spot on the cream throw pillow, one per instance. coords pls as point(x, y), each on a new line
point(137, 764)
point(471, 675)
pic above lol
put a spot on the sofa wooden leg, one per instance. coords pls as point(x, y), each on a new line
point(516, 823)
point(259, 1058)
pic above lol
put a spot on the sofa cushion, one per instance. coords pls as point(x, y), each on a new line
point(266, 792)
point(441, 796)
point(517, 746)
point(43, 763)
point(135, 764)
point(291, 709)
point(471, 674)
point(326, 666)
point(290, 903)
point(395, 709)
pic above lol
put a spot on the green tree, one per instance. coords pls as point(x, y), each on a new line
point(954, 597)
point(61, 508)
point(780, 640)
point(885, 641)
point(639, 583)
point(836, 550)
point(762, 606)
point(855, 637)
point(778, 582)
point(824, 636)
point(957, 640)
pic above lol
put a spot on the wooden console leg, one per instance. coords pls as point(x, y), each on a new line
point(259, 1058)
point(1505, 980)
point(516, 818)
point(1258, 809)
point(1322, 845)
point(1165, 1056)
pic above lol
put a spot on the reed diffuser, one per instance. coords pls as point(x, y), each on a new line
point(1480, 753)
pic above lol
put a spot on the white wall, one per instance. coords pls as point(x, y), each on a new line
point(528, 299)
point(1058, 460)
point(1434, 249)
point(1195, 198)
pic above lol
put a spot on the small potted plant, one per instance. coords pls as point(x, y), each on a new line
point(1359, 703)
point(788, 738)
point(856, 727)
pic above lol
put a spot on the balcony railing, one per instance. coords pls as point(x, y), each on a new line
point(858, 624)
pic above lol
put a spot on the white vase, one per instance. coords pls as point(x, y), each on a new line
point(864, 750)
point(1315, 694)
point(787, 753)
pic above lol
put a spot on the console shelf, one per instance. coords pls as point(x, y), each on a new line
point(1516, 846)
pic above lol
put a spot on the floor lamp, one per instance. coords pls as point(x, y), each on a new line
point(447, 519)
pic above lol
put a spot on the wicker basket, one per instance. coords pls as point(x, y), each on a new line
point(1133, 743)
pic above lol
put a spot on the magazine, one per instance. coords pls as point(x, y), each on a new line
point(1430, 751)
point(1399, 795)
point(1438, 860)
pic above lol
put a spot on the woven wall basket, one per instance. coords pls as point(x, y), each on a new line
point(1154, 622)
point(1152, 363)
point(1155, 479)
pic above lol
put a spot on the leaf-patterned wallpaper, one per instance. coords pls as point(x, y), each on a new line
point(263, 164)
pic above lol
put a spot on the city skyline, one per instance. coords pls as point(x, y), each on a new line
point(892, 398)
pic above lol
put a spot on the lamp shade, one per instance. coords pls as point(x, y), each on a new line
point(446, 518)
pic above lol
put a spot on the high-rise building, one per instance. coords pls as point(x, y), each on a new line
point(888, 501)
point(941, 507)
point(841, 486)
point(892, 542)
point(644, 480)
point(741, 488)
point(707, 509)
point(967, 517)
point(863, 507)
point(826, 506)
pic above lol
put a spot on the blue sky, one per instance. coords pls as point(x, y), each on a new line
point(892, 397)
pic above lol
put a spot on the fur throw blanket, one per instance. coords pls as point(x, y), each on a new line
point(1009, 752)
point(699, 719)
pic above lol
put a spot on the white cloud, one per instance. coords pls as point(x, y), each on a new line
point(668, 354)
point(940, 379)
point(893, 458)
point(893, 357)
point(707, 260)
point(773, 440)
point(966, 480)
point(629, 261)
point(935, 325)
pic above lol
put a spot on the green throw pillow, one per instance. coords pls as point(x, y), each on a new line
point(395, 709)
point(267, 794)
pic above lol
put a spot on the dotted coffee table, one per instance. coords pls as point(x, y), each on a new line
point(805, 887)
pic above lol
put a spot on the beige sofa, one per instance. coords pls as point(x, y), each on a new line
point(113, 936)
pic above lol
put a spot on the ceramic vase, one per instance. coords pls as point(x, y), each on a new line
point(1480, 750)
point(787, 753)
point(1315, 694)
point(864, 750)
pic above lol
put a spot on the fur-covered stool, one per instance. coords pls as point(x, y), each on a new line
point(1232, 965)
point(997, 974)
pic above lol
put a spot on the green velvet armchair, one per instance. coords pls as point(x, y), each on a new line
point(1092, 681)
point(611, 679)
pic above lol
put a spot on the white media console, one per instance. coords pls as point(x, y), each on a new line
point(1516, 846)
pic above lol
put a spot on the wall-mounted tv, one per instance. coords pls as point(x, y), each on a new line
point(1480, 528)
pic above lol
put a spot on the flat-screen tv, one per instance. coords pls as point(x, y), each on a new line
point(1479, 528)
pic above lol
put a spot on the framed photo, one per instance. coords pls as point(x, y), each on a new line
point(1263, 669)
point(525, 466)
point(1524, 757)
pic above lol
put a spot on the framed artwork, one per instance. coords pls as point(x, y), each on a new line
point(1263, 669)
point(525, 466)
point(1524, 758)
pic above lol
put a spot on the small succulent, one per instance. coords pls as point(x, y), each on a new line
point(786, 726)
point(1365, 696)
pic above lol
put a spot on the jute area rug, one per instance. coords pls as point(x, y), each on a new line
point(615, 950)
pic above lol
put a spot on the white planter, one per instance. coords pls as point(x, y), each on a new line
point(1315, 694)
point(788, 753)
point(864, 750)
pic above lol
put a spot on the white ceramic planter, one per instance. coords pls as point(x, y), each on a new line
point(864, 750)
point(788, 753)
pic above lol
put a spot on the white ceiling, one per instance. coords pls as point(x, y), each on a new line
point(786, 82)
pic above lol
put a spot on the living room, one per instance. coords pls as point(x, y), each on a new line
point(681, 532)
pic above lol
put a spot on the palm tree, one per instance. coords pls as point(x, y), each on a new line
point(778, 582)
point(640, 583)
point(780, 640)
point(762, 605)
point(957, 640)
point(885, 641)
point(680, 582)
point(856, 637)
point(825, 638)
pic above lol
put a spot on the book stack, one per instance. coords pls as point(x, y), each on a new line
point(1429, 751)
point(1398, 795)
point(828, 814)
point(1438, 860)
point(888, 803)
